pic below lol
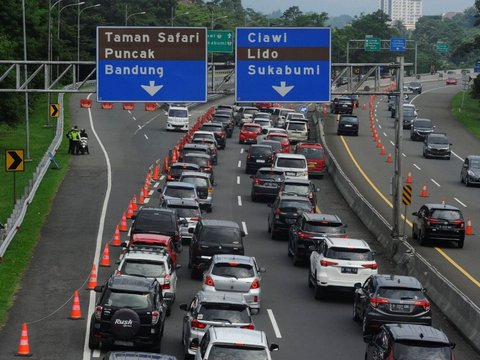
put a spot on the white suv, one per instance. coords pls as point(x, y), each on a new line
point(340, 263)
point(177, 118)
point(294, 165)
point(297, 131)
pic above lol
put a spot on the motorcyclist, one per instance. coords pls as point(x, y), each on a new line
point(83, 148)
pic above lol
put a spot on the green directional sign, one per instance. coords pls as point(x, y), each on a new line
point(220, 41)
point(442, 47)
point(372, 44)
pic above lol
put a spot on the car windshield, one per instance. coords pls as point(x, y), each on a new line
point(400, 293)
point(260, 150)
point(349, 254)
point(441, 140)
point(291, 163)
point(446, 214)
point(423, 123)
point(229, 313)
point(270, 175)
point(414, 84)
point(179, 192)
point(220, 235)
point(324, 227)
point(349, 120)
point(127, 300)
point(197, 160)
point(311, 153)
point(186, 212)
point(424, 351)
point(178, 113)
point(196, 150)
point(294, 205)
point(237, 352)
point(154, 222)
point(251, 128)
point(233, 269)
point(297, 126)
point(262, 115)
point(475, 164)
point(301, 189)
point(408, 111)
point(143, 268)
point(203, 136)
point(194, 180)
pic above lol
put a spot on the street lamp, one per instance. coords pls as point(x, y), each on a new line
point(60, 11)
point(218, 18)
point(174, 17)
point(129, 16)
point(79, 12)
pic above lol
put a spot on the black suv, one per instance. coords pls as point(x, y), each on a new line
point(284, 212)
point(390, 299)
point(300, 187)
point(176, 169)
point(218, 130)
point(348, 125)
point(342, 105)
point(212, 237)
point(420, 129)
point(266, 182)
point(309, 229)
point(226, 118)
point(408, 341)
point(440, 222)
point(258, 156)
point(416, 87)
point(200, 148)
point(470, 173)
point(151, 220)
point(436, 144)
point(130, 312)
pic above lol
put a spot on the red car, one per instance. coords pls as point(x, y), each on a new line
point(282, 138)
point(451, 81)
point(249, 133)
point(315, 156)
point(151, 241)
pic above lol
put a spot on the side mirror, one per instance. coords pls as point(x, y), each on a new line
point(368, 339)
point(254, 311)
point(452, 345)
point(262, 270)
point(242, 233)
point(123, 244)
point(195, 343)
point(183, 307)
point(190, 230)
point(165, 113)
point(252, 176)
point(424, 290)
point(179, 266)
point(117, 262)
point(273, 347)
point(357, 286)
point(450, 144)
point(415, 213)
point(317, 189)
point(133, 217)
point(98, 289)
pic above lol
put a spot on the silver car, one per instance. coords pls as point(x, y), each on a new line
point(219, 309)
point(203, 185)
point(235, 273)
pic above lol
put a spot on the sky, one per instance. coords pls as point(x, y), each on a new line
point(350, 7)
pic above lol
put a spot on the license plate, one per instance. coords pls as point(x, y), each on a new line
point(260, 161)
point(270, 184)
point(123, 343)
point(445, 227)
point(289, 173)
point(400, 307)
point(348, 125)
point(311, 165)
point(349, 270)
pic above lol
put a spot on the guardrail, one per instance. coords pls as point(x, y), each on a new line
point(455, 305)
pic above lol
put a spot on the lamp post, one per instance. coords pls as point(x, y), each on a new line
point(174, 17)
point(27, 122)
point(79, 12)
point(211, 56)
point(49, 55)
point(60, 11)
point(129, 16)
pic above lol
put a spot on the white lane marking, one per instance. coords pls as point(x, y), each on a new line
point(129, 112)
point(418, 167)
point(134, 118)
point(458, 157)
point(274, 324)
point(139, 127)
point(391, 142)
point(461, 203)
point(403, 154)
point(384, 133)
point(380, 126)
point(239, 200)
point(241, 151)
point(161, 178)
point(244, 225)
point(129, 231)
point(150, 193)
point(148, 122)
point(156, 184)
point(238, 180)
point(436, 183)
point(146, 201)
point(239, 163)
point(101, 225)
point(146, 137)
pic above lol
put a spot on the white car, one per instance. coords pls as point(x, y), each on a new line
point(295, 116)
point(297, 131)
point(178, 118)
point(294, 165)
point(339, 263)
point(264, 123)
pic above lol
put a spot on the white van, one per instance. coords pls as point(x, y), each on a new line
point(294, 165)
point(297, 131)
point(178, 118)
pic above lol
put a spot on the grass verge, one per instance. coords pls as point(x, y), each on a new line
point(469, 113)
point(17, 258)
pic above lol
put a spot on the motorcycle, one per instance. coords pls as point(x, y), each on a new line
point(83, 146)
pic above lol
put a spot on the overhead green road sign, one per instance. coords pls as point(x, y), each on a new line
point(441, 47)
point(220, 41)
point(372, 43)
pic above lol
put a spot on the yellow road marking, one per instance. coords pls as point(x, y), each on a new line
point(389, 203)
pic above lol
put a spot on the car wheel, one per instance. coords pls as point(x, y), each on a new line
point(273, 234)
point(169, 310)
point(269, 229)
point(93, 343)
point(309, 279)
point(317, 290)
point(365, 328)
point(422, 239)
point(460, 243)
point(289, 248)
point(296, 261)
point(414, 233)
point(356, 134)
point(467, 181)
point(355, 313)
point(448, 158)
point(254, 198)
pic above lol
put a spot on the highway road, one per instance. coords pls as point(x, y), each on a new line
point(88, 206)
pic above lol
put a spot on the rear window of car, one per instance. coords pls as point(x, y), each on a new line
point(194, 180)
point(212, 128)
point(400, 293)
point(291, 163)
point(408, 111)
point(220, 235)
point(301, 189)
point(187, 212)
point(128, 300)
point(446, 214)
point(424, 351)
point(292, 205)
point(233, 269)
point(260, 150)
point(276, 145)
point(311, 153)
point(222, 352)
point(251, 128)
point(196, 150)
point(349, 254)
point(197, 160)
point(143, 268)
point(224, 312)
point(179, 192)
point(349, 120)
point(250, 111)
point(271, 175)
point(323, 227)
point(423, 123)
point(154, 222)
point(297, 126)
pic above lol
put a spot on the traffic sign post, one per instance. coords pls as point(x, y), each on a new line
point(282, 64)
point(14, 162)
point(372, 43)
point(220, 41)
point(441, 47)
point(151, 64)
point(54, 110)
point(406, 200)
point(398, 44)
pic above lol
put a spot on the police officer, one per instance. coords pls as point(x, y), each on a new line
point(75, 135)
point(70, 141)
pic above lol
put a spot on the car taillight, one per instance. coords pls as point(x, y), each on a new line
point(257, 182)
point(305, 236)
point(373, 266)
point(255, 284)
point(155, 317)
point(169, 177)
point(377, 301)
point(166, 283)
point(209, 281)
point(277, 214)
point(98, 312)
point(430, 221)
point(249, 326)
point(459, 222)
point(327, 263)
point(195, 219)
point(425, 304)
point(197, 324)
point(310, 195)
point(210, 190)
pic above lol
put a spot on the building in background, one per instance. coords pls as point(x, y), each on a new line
point(406, 11)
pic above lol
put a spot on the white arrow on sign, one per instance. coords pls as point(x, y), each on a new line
point(152, 89)
point(282, 89)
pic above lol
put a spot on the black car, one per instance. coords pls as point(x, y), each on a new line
point(212, 144)
point(421, 128)
point(151, 220)
point(266, 183)
point(348, 125)
point(300, 187)
point(390, 299)
point(438, 222)
point(284, 213)
point(176, 169)
point(124, 355)
point(226, 118)
point(276, 145)
point(258, 156)
point(342, 105)
point(408, 341)
point(409, 116)
point(436, 145)
point(130, 312)
point(470, 173)
point(202, 160)
point(218, 130)
point(201, 148)
point(416, 87)
point(309, 229)
point(212, 237)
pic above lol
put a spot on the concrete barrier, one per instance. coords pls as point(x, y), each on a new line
point(457, 307)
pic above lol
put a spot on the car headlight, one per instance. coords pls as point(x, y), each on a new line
point(471, 173)
point(429, 147)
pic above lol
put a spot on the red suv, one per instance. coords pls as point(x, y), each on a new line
point(315, 156)
point(249, 133)
point(282, 138)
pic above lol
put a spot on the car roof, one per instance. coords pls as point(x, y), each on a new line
point(156, 209)
point(222, 223)
point(179, 184)
point(221, 297)
point(261, 146)
point(197, 154)
point(194, 146)
point(278, 134)
point(151, 237)
point(322, 217)
point(179, 202)
point(130, 283)
point(347, 243)
point(158, 254)
point(441, 206)
point(251, 124)
point(290, 156)
point(274, 129)
point(184, 164)
point(238, 336)
point(135, 355)
point(297, 122)
point(211, 123)
point(176, 107)
point(297, 181)
point(385, 280)
point(290, 197)
point(309, 145)
point(243, 259)
point(417, 332)
point(438, 134)
point(203, 132)
point(195, 174)
point(268, 169)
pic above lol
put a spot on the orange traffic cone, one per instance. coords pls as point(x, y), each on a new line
point(134, 202)
point(174, 156)
point(23, 347)
point(145, 192)
point(141, 198)
point(409, 178)
point(116, 237)
point(106, 257)
point(92, 281)
point(389, 158)
point(382, 150)
point(156, 172)
point(379, 143)
point(123, 223)
point(424, 193)
point(76, 313)
point(469, 229)
point(130, 210)
point(148, 177)
point(165, 164)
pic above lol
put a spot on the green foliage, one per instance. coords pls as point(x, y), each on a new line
point(475, 93)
